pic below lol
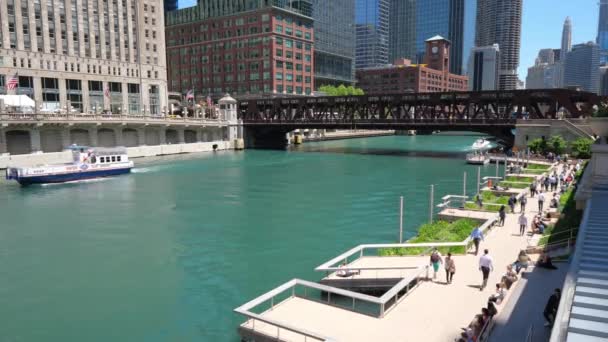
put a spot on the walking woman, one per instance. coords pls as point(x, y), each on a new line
point(523, 201)
point(435, 262)
point(501, 215)
point(450, 268)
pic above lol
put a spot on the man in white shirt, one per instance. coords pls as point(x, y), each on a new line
point(541, 200)
point(485, 265)
point(523, 223)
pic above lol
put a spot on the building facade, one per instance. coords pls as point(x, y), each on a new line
point(334, 42)
point(499, 22)
point(484, 65)
point(402, 30)
point(241, 48)
point(581, 68)
point(602, 31)
point(542, 76)
point(444, 18)
point(85, 56)
point(170, 5)
point(371, 33)
point(404, 77)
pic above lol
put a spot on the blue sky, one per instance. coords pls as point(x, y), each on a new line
point(542, 25)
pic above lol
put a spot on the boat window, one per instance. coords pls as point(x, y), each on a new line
point(102, 159)
point(113, 158)
point(117, 158)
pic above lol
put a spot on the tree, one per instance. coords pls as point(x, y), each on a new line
point(556, 144)
point(581, 148)
point(341, 90)
point(601, 112)
point(538, 145)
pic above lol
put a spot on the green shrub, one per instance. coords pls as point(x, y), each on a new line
point(514, 185)
point(486, 207)
point(439, 231)
point(581, 148)
point(556, 144)
point(519, 179)
point(538, 167)
point(538, 145)
point(533, 171)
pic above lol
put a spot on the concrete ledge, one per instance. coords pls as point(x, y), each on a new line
point(25, 160)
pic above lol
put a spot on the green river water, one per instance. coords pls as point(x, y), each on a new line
point(167, 252)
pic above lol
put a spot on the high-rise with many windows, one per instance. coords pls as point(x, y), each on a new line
point(241, 47)
point(402, 30)
point(499, 22)
point(602, 31)
point(582, 67)
point(484, 63)
point(334, 42)
point(85, 55)
point(371, 33)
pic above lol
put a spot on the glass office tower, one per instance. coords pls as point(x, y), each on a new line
point(371, 33)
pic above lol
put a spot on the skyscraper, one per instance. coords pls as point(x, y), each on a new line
point(334, 41)
point(444, 18)
point(602, 32)
point(581, 68)
point(468, 40)
point(484, 64)
point(371, 32)
point(170, 5)
point(402, 30)
point(563, 52)
point(499, 22)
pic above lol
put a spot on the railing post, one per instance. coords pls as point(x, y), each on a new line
point(432, 200)
point(271, 303)
point(464, 189)
point(478, 178)
point(401, 219)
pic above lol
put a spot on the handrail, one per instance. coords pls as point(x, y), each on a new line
point(562, 317)
point(574, 127)
point(38, 117)
point(402, 284)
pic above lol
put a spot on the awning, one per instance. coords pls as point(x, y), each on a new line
point(17, 101)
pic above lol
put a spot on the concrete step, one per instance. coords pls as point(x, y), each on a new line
point(589, 314)
point(597, 329)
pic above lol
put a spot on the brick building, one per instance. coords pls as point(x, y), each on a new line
point(260, 50)
point(402, 77)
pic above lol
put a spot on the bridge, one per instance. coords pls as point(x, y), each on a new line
point(266, 121)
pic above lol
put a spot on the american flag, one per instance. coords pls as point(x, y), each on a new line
point(106, 92)
point(190, 94)
point(209, 101)
point(12, 83)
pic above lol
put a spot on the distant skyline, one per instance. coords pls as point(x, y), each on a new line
point(542, 24)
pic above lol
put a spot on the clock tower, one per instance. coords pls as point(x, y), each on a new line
point(437, 54)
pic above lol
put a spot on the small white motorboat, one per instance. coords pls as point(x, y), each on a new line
point(481, 144)
point(478, 158)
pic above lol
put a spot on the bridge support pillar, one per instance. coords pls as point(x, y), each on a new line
point(118, 136)
point(162, 135)
point(180, 136)
point(35, 140)
point(2, 142)
point(199, 135)
point(141, 136)
point(65, 137)
point(265, 138)
point(93, 136)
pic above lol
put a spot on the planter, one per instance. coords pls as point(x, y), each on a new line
point(599, 126)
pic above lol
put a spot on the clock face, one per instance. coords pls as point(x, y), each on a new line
point(434, 49)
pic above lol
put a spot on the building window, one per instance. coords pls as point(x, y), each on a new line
point(96, 95)
point(133, 98)
point(116, 105)
point(154, 100)
point(74, 90)
point(50, 94)
point(278, 29)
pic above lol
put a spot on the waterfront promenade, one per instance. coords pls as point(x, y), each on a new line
point(434, 311)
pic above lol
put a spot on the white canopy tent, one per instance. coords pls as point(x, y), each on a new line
point(17, 101)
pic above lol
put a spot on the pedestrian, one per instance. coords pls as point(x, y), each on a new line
point(533, 188)
point(541, 201)
point(501, 216)
point(523, 201)
point(450, 268)
point(479, 201)
point(435, 261)
point(485, 266)
point(477, 236)
point(512, 201)
point(523, 223)
point(551, 307)
point(546, 184)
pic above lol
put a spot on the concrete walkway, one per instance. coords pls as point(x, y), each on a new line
point(434, 311)
point(525, 306)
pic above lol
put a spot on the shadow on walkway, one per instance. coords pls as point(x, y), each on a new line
point(526, 304)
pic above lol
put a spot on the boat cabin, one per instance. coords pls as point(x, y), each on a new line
point(98, 155)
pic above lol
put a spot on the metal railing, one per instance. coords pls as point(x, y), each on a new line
point(446, 201)
point(83, 117)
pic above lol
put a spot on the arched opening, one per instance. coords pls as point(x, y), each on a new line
point(152, 137)
point(171, 137)
point(18, 142)
point(51, 141)
point(106, 137)
point(130, 137)
point(80, 137)
point(189, 136)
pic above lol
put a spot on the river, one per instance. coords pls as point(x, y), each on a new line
point(166, 253)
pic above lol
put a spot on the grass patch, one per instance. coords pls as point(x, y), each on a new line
point(440, 231)
point(514, 185)
point(538, 167)
point(519, 179)
point(486, 207)
point(533, 171)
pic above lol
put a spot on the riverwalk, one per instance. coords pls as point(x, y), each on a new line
point(434, 311)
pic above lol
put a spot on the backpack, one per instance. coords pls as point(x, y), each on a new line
point(434, 257)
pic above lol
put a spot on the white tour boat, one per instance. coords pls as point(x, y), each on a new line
point(481, 144)
point(88, 163)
